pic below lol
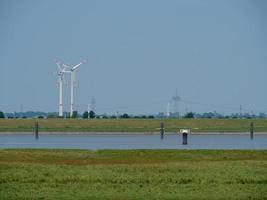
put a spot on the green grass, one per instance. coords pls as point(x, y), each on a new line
point(133, 174)
point(132, 125)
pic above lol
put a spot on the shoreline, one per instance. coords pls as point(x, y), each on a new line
point(127, 133)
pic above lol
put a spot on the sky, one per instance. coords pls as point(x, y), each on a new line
point(138, 53)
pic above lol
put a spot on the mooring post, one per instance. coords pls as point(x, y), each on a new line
point(161, 130)
point(185, 133)
point(36, 130)
point(251, 130)
point(184, 138)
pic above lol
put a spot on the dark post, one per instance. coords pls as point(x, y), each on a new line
point(251, 130)
point(36, 130)
point(184, 138)
point(161, 130)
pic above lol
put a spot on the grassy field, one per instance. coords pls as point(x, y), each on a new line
point(133, 174)
point(132, 125)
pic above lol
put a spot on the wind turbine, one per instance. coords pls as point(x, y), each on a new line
point(60, 74)
point(72, 80)
point(168, 110)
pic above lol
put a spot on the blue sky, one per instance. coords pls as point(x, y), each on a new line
point(138, 53)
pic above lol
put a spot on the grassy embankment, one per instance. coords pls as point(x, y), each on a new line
point(132, 125)
point(133, 174)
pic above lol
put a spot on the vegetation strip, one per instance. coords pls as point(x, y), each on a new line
point(132, 125)
point(133, 174)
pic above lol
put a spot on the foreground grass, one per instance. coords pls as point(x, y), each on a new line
point(133, 174)
point(132, 125)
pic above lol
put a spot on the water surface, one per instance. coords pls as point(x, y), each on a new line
point(80, 141)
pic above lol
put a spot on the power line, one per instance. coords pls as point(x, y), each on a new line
point(220, 106)
point(133, 106)
point(163, 102)
point(176, 99)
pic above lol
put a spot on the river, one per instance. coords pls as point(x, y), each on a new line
point(133, 141)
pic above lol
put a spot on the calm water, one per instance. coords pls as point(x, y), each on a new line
point(134, 141)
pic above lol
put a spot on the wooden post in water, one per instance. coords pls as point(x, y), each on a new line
point(184, 138)
point(251, 130)
point(185, 133)
point(36, 130)
point(162, 130)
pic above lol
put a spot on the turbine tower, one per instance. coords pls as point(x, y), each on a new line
point(92, 104)
point(168, 110)
point(176, 99)
point(60, 82)
point(72, 81)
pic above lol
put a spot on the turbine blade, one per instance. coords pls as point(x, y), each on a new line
point(76, 66)
point(64, 65)
point(59, 67)
point(57, 61)
point(58, 64)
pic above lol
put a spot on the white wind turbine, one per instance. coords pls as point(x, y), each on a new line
point(61, 72)
point(72, 81)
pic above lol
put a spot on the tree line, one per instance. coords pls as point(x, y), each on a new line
point(93, 115)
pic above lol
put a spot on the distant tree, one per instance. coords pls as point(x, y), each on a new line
point(189, 115)
point(113, 117)
point(125, 116)
point(104, 117)
point(143, 116)
point(75, 114)
point(51, 116)
point(2, 115)
point(85, 115)
point(151, 117)
point(40, 117)
point(66, 115)
point(92, 114)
